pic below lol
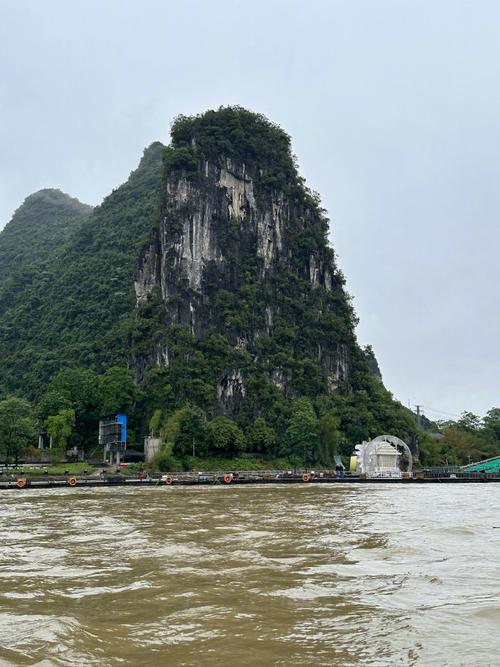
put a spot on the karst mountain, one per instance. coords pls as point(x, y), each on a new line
point(208, 275)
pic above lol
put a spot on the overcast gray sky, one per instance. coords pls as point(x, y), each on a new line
point(394, 111)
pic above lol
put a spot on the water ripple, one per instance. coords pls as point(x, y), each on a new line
point(299, 575)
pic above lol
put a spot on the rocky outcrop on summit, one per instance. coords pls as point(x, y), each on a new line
point(241, 249)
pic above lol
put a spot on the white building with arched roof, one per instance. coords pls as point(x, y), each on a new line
point(381, 457)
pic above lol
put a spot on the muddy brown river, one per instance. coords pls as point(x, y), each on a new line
point(259, 575)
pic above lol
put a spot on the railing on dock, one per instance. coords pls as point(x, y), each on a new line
point(448, 474)
point(456, 472)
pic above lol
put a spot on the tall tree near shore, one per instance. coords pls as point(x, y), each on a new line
point(261, 438)
point(491, 424)
point(17, 427)
point(60, 427)
point(225, 437)
point(302, 437)
point(329, 437)
point(117, 391)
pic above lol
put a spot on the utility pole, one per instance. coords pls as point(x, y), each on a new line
point(419, 415)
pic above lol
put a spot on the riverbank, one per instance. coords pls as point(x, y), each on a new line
point(232, 478)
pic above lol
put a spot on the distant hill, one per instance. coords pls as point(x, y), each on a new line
point(67, 308)
point(44, 222)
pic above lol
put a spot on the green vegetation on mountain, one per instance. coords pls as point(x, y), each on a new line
point(68, 311)
point(202, 299)
point(237, 134)
point(42, 224)
point(261, 337)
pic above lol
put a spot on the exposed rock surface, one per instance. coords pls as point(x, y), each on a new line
point(250, 262)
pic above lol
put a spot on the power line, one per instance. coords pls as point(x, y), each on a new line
point(439, 412)
point(419, 415)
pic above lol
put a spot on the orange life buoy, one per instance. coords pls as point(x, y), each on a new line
point(21, 483)
point(72, 481)
point(228, 478)
point(306, 477)
point(169, 480)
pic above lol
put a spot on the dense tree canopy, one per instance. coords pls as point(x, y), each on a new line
point(44, 223)
point(468, 439)
point(69, 306)
point(60, 427)
point(17, 427)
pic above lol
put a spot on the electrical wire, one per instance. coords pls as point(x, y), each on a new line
point(440, 412)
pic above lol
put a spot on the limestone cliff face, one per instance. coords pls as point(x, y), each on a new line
point(208, 222)
point(250, 262)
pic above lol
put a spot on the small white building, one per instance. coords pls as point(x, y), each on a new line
point(381, 457)
point(386, 459)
